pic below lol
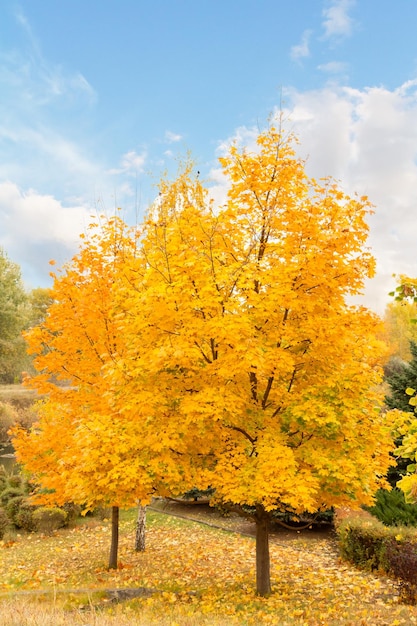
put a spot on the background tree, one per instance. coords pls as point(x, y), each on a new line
point(40, 300)
point(401, 380)
point(400, 328)
point(403, 402)
point(248, 370)
point(13, 320)
point(82, 450)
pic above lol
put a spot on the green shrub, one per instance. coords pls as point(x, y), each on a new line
point(402, 564)
point(48, 519)
point(363, 542)
point(16, 480)
point(4, 523)
point(391, 550)
point(13, 505)
point(392, 509)
point(24, 517)
point(9, 493)
point(197, 494)
point(3, 478)
point(73, 511)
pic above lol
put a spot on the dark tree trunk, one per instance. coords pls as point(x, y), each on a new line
point(263, 573)
point(140, 529)
point(114, 537)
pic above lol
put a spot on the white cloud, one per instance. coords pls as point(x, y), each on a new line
point(302, 50)
point(367, 140)
point(243, 136)
point(37, 228)
point(131, 164)
point(337, 22)
point(334, 68)
point(171, 137)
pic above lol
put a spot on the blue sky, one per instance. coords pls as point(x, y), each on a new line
point(98, 97)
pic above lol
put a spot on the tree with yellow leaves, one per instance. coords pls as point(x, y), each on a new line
point(82, 450)
point(246, 367)
point(400, 329)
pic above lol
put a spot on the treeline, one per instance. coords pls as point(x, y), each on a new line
point(20, 309)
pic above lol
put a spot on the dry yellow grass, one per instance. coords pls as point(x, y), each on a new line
point(200, 576)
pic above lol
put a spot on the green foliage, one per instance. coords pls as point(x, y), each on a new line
point(14, 307)
point(19, 310)
point(3, 478)
point(372, 546)
point(40, 300)
point(402, 564)
point(394, 366)
point(72, 511)
point(400, 380)
point(403, 377)
point(392, 510)
point(14, 491)
point(363, 542)
point(24, 516)
point(16, 409)
point(8, 417)
point(196, 494)
point(9, 493)
point(13, 504)
point(4, 522)
point(48, 519)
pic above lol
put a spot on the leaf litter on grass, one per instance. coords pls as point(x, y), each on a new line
point(199, 572)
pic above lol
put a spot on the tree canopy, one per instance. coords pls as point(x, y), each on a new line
point(244, 357)
point(220, 351)
point(13, 319)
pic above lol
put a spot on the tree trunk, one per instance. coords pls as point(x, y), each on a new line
point(114, 537)
point(140, 529)
point(263, 573)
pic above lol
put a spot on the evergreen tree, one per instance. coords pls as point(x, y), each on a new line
point(399, 381)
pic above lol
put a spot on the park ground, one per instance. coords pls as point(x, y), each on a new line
point(192, 573)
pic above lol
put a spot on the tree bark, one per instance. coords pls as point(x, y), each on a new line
point(263, 572)
point(140, 529)
point(114, 537)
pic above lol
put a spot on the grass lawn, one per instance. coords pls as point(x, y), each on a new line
point(193, 574)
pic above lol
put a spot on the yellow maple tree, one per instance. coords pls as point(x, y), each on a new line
point(82, 450)
point(248, 369)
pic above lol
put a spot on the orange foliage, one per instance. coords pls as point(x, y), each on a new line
point(82, 449)
point(218, 349)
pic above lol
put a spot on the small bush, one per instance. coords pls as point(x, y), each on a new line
point(24, 517)
point(48, 519)
point(3, 478)
point(4, 523)
point(371, 545)
point(198, 494)
point(73, 511)
point(9, 493)
point(13, 505)
point(102, 512)
point(363, 542)
point(16, 480)
point(402, 564)
point(392, 510)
